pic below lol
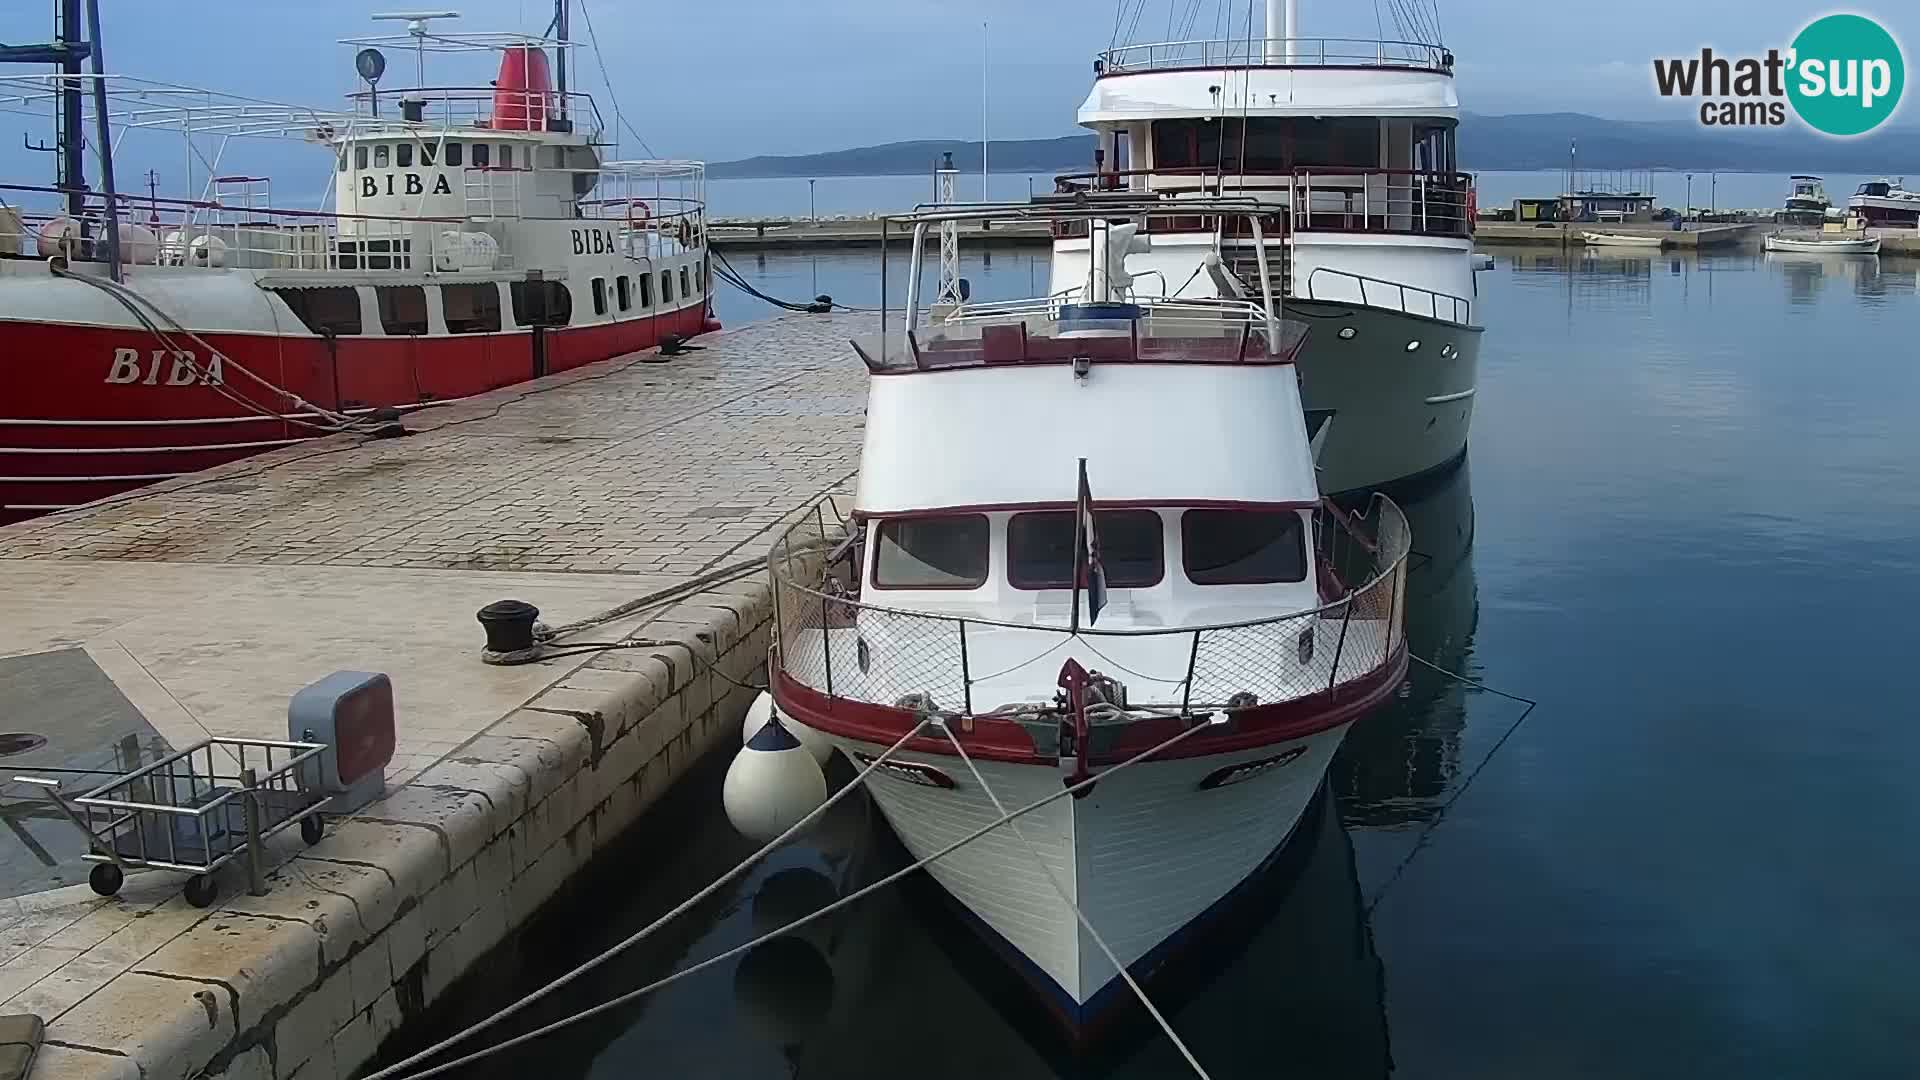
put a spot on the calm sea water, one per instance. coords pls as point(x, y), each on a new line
point(1690, 529)
point(859, 195)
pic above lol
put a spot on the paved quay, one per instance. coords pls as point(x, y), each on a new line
point(201, 605)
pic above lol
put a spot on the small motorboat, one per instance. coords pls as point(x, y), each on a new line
point(1602, 239)
point(1824, 245)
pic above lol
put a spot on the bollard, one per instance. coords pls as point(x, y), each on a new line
point(256, 875)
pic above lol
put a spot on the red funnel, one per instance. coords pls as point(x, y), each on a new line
point(522, 95)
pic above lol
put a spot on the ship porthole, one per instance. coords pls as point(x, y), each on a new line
point(1413, 345)
point(1446, 352)
point(1346, 333)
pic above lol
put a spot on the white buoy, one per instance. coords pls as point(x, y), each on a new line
point(773, 783)
point(60, 236)
point(139, 245)
point(762, 710)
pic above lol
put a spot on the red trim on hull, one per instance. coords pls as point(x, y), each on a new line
point(163, 423)
point(1005, 741)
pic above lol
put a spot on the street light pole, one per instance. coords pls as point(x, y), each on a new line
point(1688, 214)
point(811, 214)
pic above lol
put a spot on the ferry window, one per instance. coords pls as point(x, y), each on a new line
point(482, 155)
point(454, 151)
point(700, 277)
point(599, 296)
point(1040, 548)
point(359, 157)
point(666, 287)
point(471, 309)
point(1242, 547)
point(403, 156)
point(403, 309)
point(380, 156)
point(540, 303)
point(948, 552)
point(646, 291)
point(506, 155)
point(685, 289)
point(426, 153)
point(623, 290)
point(332, 310)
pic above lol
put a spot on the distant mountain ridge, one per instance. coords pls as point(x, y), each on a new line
point(1522, 142)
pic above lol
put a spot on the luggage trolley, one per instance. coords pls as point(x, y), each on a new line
point(195, 810)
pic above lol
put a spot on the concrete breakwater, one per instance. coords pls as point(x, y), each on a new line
point(204, 602)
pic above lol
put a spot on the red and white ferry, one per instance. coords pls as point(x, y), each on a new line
point(1088, 527)
point(473, 237)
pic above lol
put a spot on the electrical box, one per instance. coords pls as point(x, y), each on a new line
point(351, 712)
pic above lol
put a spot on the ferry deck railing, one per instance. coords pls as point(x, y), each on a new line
point(929, 661)
point(1325, 283)
point(454, 111)
point(1316, 52)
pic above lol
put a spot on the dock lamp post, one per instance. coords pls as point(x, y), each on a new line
point(1689, 212)
point(811, 215)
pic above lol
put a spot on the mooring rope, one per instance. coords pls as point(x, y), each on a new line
point(1068, 900)
point(659, 984)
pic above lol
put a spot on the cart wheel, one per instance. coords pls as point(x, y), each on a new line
point(201, 890)
point(106, 879)
point(312, 829)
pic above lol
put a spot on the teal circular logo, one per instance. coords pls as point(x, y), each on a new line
point(1846, 74)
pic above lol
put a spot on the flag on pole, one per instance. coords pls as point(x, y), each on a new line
point(1088, 573)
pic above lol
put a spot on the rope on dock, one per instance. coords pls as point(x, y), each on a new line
point(620, 1000)
point(1420, 843)
point(1068, 900)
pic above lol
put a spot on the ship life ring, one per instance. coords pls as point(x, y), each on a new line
point(685, 232)
point(1473, 208)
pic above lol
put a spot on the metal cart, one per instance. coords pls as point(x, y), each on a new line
point(194, 810)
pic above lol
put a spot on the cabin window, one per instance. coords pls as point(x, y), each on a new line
point(403, 309)
point(380, 156)
point(623, 291)
point(1040, 548)
point(700, 277)
point(556, 157)
point(342, 162)
point(666, 287)
point(646, 291)
point(403, 156)
point(1268, 144)
point(454, 152)
point(506, 156)
point(599, 296)
point(1242, 547)
point(426, 153)
point(540, 303)
point(359, 157)
point(332, 310)
point(482, 155)
point(471, 309)
point(947, 552)
point(685, 288)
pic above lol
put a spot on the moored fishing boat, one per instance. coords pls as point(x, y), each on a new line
point(1606, 239)
point(1824, 245)
point(472, 237)
point(1087, 554)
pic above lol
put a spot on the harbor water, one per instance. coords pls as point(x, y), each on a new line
point(1686, 529)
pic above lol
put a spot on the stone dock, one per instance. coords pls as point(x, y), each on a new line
point(197, 607)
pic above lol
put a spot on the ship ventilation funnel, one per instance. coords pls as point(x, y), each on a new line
point(523, 97)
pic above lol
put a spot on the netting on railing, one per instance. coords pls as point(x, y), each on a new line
point(835, 644)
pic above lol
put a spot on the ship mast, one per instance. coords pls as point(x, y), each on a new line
point(67, 51)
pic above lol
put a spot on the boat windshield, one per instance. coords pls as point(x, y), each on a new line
point(1875, 188)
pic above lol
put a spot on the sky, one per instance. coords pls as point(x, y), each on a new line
point(720, 79)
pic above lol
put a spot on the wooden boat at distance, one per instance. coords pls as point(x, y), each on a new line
point(1850, 245)
point(1604, 239)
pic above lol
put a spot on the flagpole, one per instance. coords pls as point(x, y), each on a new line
point(1079, 546)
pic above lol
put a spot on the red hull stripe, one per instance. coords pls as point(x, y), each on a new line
point(1006, 741)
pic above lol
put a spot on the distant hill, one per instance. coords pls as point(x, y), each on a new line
point(1521, 142)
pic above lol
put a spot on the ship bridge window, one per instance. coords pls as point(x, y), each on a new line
point(359, 157)
point(506, 155)
point(946, 552)
point(403, 156)
point(472, 308)
point(1040, 548)
point(332, 310)
point(403, 309)
point(1872, 189)
point(426, 153)
point(454, 151)
point(1242, 547)
point(540, 303)
point(482, 155)
point(1267, 143)
point(380, 156)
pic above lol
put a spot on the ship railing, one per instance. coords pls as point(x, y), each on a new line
point(1317, 52)
point(835, 643)
point(1324, 283)
point(1331, 198)
point(473, 109)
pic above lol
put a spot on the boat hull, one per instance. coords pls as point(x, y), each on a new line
point(1148, 857)
point(1868, 246)
point(1398, 415)
point(1622, 240)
